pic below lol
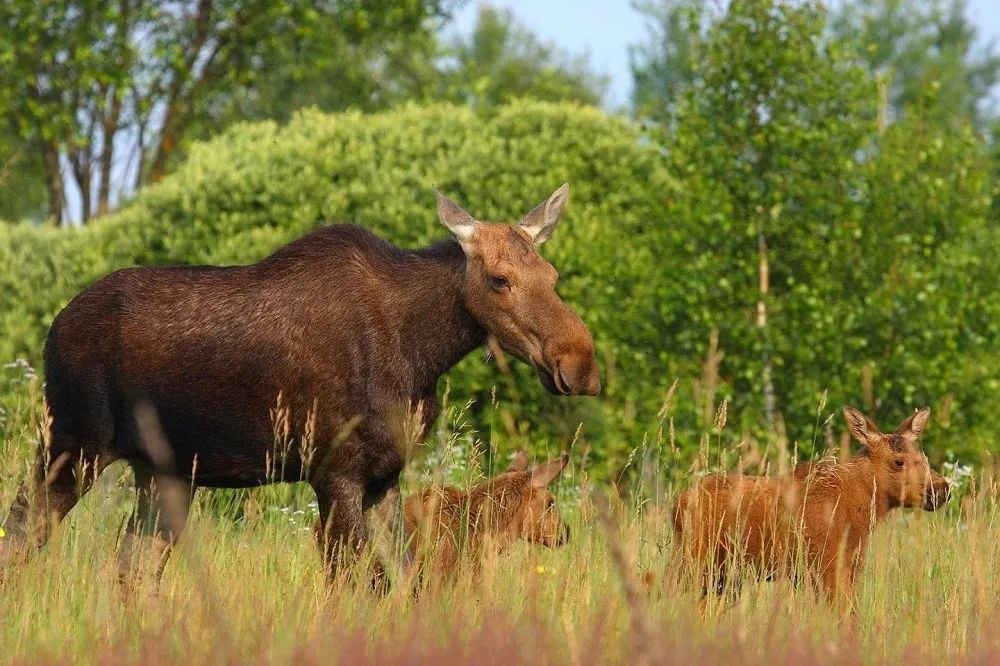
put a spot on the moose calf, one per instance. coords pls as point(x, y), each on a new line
point(822, 515)
point(442, 522)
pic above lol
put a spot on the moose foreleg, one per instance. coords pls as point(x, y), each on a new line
point(341, 530)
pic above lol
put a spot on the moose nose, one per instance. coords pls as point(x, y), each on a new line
point(936, 495)
point(579, 375)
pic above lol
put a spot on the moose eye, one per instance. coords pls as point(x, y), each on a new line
point(498, 282)
point(900, 463)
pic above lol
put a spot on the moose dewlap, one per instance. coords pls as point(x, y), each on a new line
point(822, 515)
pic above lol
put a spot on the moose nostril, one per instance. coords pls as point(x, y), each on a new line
point(579, 376)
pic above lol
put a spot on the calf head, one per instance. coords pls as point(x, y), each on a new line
point(901, 468)
point(511, 290)
point(536, 518)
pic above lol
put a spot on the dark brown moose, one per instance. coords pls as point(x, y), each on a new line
point(822, 515)
point(316, 363)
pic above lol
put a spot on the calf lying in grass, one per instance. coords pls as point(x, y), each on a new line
point(821, 516)
point(445, 523)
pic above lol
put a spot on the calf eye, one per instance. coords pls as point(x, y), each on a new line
point(498, 282)
point(900, 463)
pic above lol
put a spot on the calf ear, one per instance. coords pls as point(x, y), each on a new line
point(544, 474)
point(519, 463)
point(456, 219)
point(862, 427)
point(541, 220)
point(914, 425)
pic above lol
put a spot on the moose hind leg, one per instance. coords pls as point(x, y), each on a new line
point(160, 515)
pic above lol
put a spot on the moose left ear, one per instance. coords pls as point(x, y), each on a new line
point(541, 220)
point(546, 473)
point(915, 424)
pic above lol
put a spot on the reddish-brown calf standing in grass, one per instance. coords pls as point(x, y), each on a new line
point(444, 523)
point(822, 515)
point(178, 370)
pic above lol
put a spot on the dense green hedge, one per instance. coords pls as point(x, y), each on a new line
point(644, 250)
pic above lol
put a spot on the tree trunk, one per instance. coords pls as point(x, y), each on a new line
point(109, 130)
point(767, 372)
point(168, 141)
point(53, 182)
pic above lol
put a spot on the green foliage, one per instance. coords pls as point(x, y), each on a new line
point(93, 84)
point(501, 60)
point(926, 52)
point(667, 62)
point(868, 238)
point(22, 187)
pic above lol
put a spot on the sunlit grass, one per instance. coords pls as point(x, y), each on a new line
point(246, 584)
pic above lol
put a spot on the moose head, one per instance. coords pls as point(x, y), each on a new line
point(900, 466)
point(511, 291)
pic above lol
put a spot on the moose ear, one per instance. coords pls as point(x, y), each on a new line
point(456, 219)
point(544, 474)
point(862, 427)
point(519, 463)
point(914, 425)
point(541, 220)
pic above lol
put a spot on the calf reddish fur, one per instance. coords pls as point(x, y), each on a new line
point(443, 521)
point(341, 332)
point(823, 513)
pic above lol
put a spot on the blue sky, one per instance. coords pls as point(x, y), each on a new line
point(603, 29)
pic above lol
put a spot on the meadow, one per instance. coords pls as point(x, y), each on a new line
point(246, 583)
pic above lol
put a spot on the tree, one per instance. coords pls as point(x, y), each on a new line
point(666, 64)
point(925, 52)
point(112, 88)
point(830, 254)
point(502, 60)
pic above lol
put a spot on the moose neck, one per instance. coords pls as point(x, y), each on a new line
point(438, 329)
point(874, 497)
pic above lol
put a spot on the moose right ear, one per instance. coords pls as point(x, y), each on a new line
point(544, 474)
point(456, 219)
point(862, 427)
point(519, 463)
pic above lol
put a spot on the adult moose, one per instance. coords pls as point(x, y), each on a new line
point(349, 333)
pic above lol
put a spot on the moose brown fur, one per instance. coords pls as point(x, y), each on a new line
point(821, 515)
point(335, 342)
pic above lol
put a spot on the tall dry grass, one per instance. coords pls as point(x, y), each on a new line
point(246, 585)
